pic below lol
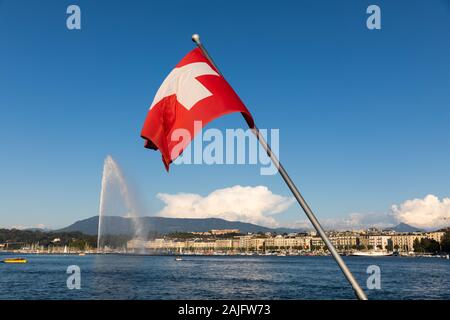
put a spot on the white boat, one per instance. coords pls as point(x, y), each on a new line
point(371, 254)
point(179, 258)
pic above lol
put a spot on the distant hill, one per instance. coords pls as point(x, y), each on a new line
point(403, 227)
point(119, 225)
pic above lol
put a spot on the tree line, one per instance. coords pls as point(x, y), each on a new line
point(15, 238)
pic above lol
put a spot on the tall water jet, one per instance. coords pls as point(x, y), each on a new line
point(116, 200)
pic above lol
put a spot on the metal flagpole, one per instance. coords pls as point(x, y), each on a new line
point(347, 273)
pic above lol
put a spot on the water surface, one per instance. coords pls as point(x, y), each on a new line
point(220, 277)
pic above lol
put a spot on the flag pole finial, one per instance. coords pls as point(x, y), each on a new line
point(196, 38)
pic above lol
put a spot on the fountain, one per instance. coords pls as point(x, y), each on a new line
point(116, 200)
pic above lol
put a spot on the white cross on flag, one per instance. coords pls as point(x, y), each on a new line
point(193, 91)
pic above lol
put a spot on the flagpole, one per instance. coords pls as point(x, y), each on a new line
point(347, 273)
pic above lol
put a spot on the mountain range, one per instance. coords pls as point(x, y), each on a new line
point(119, 225)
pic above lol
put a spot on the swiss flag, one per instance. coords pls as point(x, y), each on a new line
point(193, 91)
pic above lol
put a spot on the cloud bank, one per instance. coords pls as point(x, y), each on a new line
point(428, 213)
point(24, 227)
point(259, 205)
point(243, 203)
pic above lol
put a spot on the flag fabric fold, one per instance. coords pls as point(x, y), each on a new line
point(193, 91)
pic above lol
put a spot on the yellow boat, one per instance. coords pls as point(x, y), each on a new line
point(15, 260)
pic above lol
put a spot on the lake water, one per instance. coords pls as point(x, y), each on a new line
point(220, 277)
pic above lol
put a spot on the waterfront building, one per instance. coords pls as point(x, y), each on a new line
point(245, 242)
point(341, 240)
point(225, 244)
point(275, 242)
point(298, 242)
point(303, 242)
point(436, 235)
point(344, 241)
point(405, 242)
point(200, 245)
point(235, 243)
point(257, 243)
point(317, 242)
point(375, 241)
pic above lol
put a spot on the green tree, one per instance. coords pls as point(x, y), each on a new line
point(417, 245)
point(430, 245)
point(78, 244)
point(389, 246)
point(445, 244)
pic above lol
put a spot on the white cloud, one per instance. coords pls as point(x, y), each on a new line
point(258, 205)
point(22, 227)
point(427, 213)
point(246, 204)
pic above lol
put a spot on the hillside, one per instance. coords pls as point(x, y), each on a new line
point(120, 225)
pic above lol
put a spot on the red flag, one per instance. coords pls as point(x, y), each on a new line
point(193, 91)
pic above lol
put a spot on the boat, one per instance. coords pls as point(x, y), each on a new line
point(15, 260)
point(82, 254)
point(180, 252)
point(371, 254)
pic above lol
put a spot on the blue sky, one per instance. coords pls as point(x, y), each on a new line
point(363, 115)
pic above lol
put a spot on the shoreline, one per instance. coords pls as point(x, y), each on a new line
point(81, 254)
